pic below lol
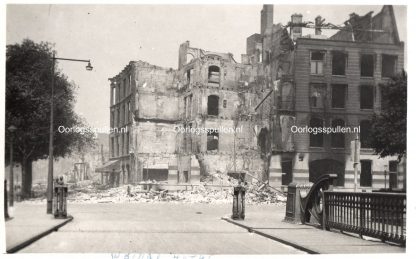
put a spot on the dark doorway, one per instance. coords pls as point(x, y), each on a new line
point(287, 172)
point(320, 167)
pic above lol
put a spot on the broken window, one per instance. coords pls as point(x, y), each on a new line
point(213, 105)
point(365, 131)
point(317, 62)
point(338, 138)
point(212, 140)
point(214, 74)
point(367, 65)
point(317, 95)
point(316, 139)
point(190, 105)
point(124, 87)
point(365, 175)
point(339, 94)
point(112, 147)
point(189, 76)
point(339, 63)
point(113, 95)
point(366, 97)
point(224, 104)
point(388, 66)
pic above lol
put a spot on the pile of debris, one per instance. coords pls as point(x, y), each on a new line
point(217, 190)
point(151, 191)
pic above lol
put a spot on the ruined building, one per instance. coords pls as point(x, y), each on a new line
point(285, 79)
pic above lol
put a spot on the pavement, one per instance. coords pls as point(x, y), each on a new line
point(309, 238)
point(166, 228)
point(29, 223)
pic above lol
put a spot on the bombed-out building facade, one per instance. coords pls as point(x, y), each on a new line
point(287, 79)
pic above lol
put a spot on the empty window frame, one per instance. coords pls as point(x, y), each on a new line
point(388, 65)
point(338, 138)
point(213, 105)
point(367, 65)
point(214, 74)
point(317, 95)
point(124, 87)
point(339, 96)
point(366, 97)
point(339, 63)
point(224, 104)
point(189, 75)
point(112, 147)
point(366, 176)
point(113, 96)
point(112, 119)
point(317, 62)
point(316, 140)
point(212, 140)
point(365, 134)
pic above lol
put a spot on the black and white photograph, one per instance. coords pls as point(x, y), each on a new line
point(205, 130)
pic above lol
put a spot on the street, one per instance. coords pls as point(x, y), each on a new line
point(164, 228)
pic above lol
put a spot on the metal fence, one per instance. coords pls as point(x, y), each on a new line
point(378, 215)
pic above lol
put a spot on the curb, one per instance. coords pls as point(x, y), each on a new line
point(22, 245)
point(253, 230)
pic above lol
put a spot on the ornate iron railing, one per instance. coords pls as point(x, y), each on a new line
point(377, 215)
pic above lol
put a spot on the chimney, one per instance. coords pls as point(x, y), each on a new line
point(266, 18)
point(318, 24)
point(296, 27)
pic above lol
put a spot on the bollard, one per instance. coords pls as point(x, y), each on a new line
point(60, 194)
point(295, 193)
point(239, 202)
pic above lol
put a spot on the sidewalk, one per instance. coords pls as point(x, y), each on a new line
point(308, 238)
point(29, 223)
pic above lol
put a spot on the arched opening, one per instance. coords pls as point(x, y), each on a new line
point(213, 105)
point(320, 167)
point(213, 75)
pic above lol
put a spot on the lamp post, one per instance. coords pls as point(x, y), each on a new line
point(49, 191)
point(11, 129)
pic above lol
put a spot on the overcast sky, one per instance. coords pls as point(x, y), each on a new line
point(113, 35)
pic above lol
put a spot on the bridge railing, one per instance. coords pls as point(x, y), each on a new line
point(377, 215)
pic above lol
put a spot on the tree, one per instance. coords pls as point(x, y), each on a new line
point(28, 93)
point(389, 127)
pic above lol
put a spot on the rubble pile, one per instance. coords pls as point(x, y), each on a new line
point(218, 190)
point(256, 193)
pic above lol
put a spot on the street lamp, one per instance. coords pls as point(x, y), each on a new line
point(49, 191)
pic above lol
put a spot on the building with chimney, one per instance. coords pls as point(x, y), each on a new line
point(285, 80)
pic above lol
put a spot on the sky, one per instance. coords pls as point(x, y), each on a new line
point(113, 35)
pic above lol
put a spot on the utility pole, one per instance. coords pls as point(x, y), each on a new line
point(355, 154)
